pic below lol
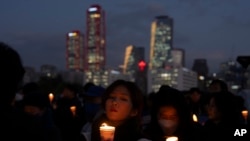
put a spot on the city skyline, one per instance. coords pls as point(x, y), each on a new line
point(216, 31)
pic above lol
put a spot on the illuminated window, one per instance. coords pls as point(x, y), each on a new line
point(95, 15)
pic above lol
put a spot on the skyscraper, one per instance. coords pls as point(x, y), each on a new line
point(200, 66)
point(133, 55)
point(75, 51)
point(135, 66)
point(178, 55)
point(161, 42)
point(95, 39)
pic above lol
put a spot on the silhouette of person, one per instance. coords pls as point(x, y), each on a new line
point(11, 75)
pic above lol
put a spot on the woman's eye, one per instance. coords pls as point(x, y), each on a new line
point(124, 99)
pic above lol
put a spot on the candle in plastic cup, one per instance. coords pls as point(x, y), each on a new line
point(173, 138)
point(195, 119)
point(51, 97)
point(73, 110)
point(107, 132)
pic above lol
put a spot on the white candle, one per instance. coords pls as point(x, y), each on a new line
point(173, 138)
point(107, 132)
point(195, 119)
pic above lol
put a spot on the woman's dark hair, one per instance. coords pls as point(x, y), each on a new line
point(134, 91)
point(11, 72)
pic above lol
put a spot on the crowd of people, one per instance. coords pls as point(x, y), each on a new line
point(29, 114)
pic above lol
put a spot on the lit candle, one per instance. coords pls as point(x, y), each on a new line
point(73, 110)
point(107, 132)
point(173, 138)
point(51, 97)
point(195, 119)
point(245, 115)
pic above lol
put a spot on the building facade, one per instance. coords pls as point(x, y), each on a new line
point(178, 57)
point(161, 42)
point(95, 39)
point(75, 51)
point(180, 78)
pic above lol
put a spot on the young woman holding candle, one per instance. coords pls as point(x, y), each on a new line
point(122, 103)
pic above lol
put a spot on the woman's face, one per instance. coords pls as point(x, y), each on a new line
point(168, 117)
point(118, 106)
point(212, 110)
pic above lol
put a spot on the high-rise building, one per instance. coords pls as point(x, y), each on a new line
point(200, 66)
point(133, 55)
point(178, 57)
point(135, 66)
point(180, 78)
point(75, 51)
point(161, 42)
point(95, 39)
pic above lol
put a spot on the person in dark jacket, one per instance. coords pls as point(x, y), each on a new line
point(11, 75)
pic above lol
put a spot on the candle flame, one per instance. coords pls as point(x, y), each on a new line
point(195, 119)
point(73, 110)
point(104, 124)
point(51, 97)
point(106, 127)
point(244, 113)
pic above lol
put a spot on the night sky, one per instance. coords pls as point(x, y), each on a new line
point(217, 30)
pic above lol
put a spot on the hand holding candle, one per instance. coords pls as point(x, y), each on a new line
point(107, 132)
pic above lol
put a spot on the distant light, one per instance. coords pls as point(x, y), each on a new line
point(72, 34)
point(201, 77)
point(235, 87)
point(142, 65)
point(214, 74)
point(114, 72)
point(92, 9)
point(185, 69)
point(95, 15)
point(165, 75)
